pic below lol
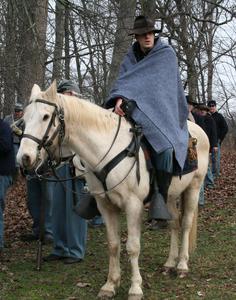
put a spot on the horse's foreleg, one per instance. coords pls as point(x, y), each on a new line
point(190, 205)
point(174, 247)
point(111, 218)
point(134, 216)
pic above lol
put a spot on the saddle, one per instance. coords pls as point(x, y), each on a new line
point(191, 161)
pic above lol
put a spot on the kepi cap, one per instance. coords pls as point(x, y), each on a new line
point(67, 86)
point(18, 107)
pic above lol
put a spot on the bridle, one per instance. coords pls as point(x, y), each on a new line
point(47, 141)
point(131, 150)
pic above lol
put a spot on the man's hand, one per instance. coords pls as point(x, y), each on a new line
point(118, 110)
point(16, 130)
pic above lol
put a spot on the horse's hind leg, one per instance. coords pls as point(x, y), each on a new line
point(174, 226)
point(111, 218)
point(190, 203)
point(134, 210)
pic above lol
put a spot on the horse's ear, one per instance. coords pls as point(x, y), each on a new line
point(35, 91)
point(51, 92)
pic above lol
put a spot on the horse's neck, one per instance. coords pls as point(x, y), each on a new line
point(90, 136)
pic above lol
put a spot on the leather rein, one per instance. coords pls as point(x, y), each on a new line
point(132, 150)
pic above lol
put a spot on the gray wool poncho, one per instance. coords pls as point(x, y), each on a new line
point(155, 85)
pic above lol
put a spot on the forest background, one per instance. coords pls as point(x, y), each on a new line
point(85, 40)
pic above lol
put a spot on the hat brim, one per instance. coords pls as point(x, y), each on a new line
point(140, 31)
point(192, 103)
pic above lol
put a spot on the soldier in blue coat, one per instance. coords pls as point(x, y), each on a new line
point(69, 230)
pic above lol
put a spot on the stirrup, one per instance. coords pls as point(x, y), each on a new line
point(158, 209)
point(86, 207)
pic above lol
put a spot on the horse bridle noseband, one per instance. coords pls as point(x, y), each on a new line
point(46, 142)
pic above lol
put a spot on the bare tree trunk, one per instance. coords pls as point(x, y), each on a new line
point(201, 88)
point(10, 58)
point(33, 32)
point(60, 33)
point(188, 50)
point(149, 8)
point(41, 14)
point(90, 48)
point(210, 66)
point(67, 43)
point(122, 40)
point(77, 58)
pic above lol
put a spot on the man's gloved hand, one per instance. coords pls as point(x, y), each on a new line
point(128, 107)
point(16, 130)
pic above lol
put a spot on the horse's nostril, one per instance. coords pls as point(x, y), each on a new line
point(26, 160)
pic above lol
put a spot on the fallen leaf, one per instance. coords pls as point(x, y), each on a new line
point(83, 284)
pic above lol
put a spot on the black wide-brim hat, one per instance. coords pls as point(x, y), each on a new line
point(143, 25)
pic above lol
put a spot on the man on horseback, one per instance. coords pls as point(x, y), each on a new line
point(149, 85)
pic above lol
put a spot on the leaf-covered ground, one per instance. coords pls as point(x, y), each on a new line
point(212, 266)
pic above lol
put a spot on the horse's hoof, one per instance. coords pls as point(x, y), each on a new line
point(105, 295)
point(135, 297)
point(167, 271)
point(182, 273)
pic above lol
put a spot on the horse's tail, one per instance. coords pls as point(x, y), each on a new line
point(193, 231)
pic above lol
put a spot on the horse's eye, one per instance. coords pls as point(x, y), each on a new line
point(45, 117)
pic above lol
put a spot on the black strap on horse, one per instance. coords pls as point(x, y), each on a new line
point(44, 199)
point(131, 151)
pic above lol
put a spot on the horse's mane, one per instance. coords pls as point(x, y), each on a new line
point(89, 114)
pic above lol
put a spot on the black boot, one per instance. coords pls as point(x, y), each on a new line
point(160, 186)
point(163, 182)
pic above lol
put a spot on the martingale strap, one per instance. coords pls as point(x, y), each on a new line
point(132, 150)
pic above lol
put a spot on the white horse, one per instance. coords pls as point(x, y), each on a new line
point(89, 132)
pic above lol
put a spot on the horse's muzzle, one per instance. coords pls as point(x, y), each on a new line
point(26, 161)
